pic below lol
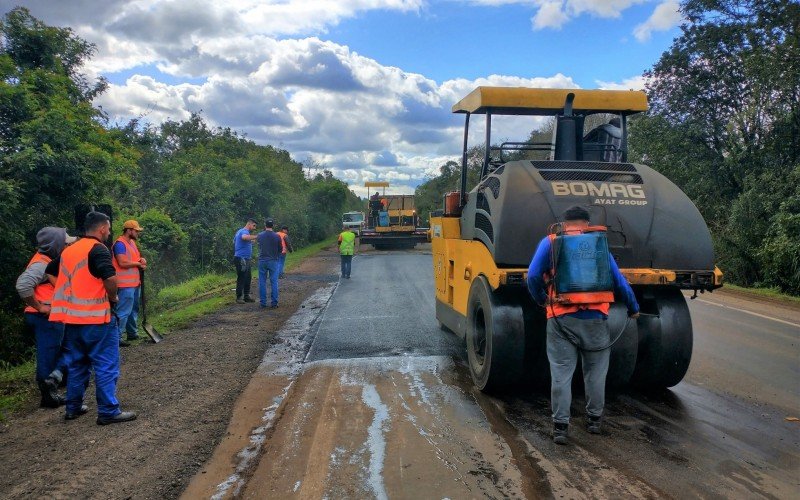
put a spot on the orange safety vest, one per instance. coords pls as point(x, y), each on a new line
point(283, 241)
point(43, 291)
point(130, 277)
point(79, 298)
point(568, 303)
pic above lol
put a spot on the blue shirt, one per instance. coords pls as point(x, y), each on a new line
point(269, 245)
point(120, 248)
point(241, 248)
point(541, 264)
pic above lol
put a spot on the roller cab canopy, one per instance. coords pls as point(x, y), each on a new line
point(530, 101)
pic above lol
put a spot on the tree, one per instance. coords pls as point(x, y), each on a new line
point(725, 125)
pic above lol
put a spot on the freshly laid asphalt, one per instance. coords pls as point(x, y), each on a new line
point(386, 308)
point(728, 430)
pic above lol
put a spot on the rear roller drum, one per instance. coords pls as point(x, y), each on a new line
point(624, 352)
point(495, 338)
point(665, 341)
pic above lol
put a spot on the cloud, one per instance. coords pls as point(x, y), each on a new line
point(549, 15)
point(633, 83)
point(665, 16)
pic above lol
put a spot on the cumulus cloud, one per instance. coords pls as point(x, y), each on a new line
point(317, 99)
point(665, 16)
point(633, 83)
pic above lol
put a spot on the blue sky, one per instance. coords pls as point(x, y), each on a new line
point(363, 87)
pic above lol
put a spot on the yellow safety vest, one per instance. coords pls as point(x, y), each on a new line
point(347, 246)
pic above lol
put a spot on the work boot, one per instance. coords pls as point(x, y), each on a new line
point(239, 300)
point(50, 396)
point(81, 411)
point(123, 343)
point(249, 299)
point(593, 424)
point(123, 416)
point(560, 433)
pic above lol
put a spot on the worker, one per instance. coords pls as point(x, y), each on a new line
point(575, 329)
point(287, 247)
point(347, 248)
point(84, 291)
point(242, 253)
point(374, 208)
point(128, 263)
point(270, 247)
point(36, 290)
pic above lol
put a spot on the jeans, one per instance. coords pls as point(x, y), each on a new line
point(243, 277)
point(268, 267)
point(347, 264)
point(563, 357)
point(50, 355)
point(93, 347)
point(282, 263)
point(123, 308)
point(132, 325)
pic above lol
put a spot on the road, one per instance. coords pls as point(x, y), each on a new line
point(375, 401)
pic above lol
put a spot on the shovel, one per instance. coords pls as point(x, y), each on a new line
point(148, 328)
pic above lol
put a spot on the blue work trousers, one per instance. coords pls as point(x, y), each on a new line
point(281, 264)
point(50, 354)
point(271, 267)
point(93, 347)
point(132, 325)
point(347, 264)
point(123, 308)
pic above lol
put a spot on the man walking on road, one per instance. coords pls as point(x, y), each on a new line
point(84, 290)
point(270, 247)
point(242, 252)
point(287, 247)
point(577, 327)
point(36, 290)
point(347, 248)
point(128, 263)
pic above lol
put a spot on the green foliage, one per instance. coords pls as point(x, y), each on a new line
point(725, 126)
point(190, 185)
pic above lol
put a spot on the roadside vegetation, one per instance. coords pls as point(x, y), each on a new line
point(724, 125)
point(190, 185)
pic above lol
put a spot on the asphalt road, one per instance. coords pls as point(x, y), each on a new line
point(384, 408)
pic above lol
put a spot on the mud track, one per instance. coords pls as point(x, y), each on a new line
point(183, 388)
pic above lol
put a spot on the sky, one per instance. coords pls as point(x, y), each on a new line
point(362, 87)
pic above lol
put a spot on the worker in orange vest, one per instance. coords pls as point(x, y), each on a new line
point(287, 247)
point(128, 263)
point(577, 323)
point(36, 289)
point(85, 288)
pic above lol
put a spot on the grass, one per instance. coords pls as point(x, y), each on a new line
point(16, 387)
point(173, 308)
point(771, 293)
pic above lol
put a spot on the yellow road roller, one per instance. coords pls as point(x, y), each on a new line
point(484, 239)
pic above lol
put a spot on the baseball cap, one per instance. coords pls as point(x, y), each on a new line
point(132, 224)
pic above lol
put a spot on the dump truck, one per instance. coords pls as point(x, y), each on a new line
point(483, 239)
point(392, 220)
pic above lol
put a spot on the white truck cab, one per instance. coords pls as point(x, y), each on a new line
point(354, 221)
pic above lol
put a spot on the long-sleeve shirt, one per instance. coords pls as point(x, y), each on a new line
point(30, 279)
point(541, 264)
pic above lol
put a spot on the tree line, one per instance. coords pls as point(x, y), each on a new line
point(188, 184)
point(724, 125)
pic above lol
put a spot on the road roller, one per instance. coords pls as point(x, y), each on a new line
point(483, 239)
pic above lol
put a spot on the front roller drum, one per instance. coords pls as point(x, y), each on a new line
point(495, 338)
point(665, 340)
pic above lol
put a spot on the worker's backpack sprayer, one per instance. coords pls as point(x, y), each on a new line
point(581, 272)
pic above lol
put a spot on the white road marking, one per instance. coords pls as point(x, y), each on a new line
point(750, 312)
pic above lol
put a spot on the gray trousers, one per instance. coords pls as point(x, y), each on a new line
point(563, 356)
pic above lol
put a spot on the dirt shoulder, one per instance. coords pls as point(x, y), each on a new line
point(183, 389)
